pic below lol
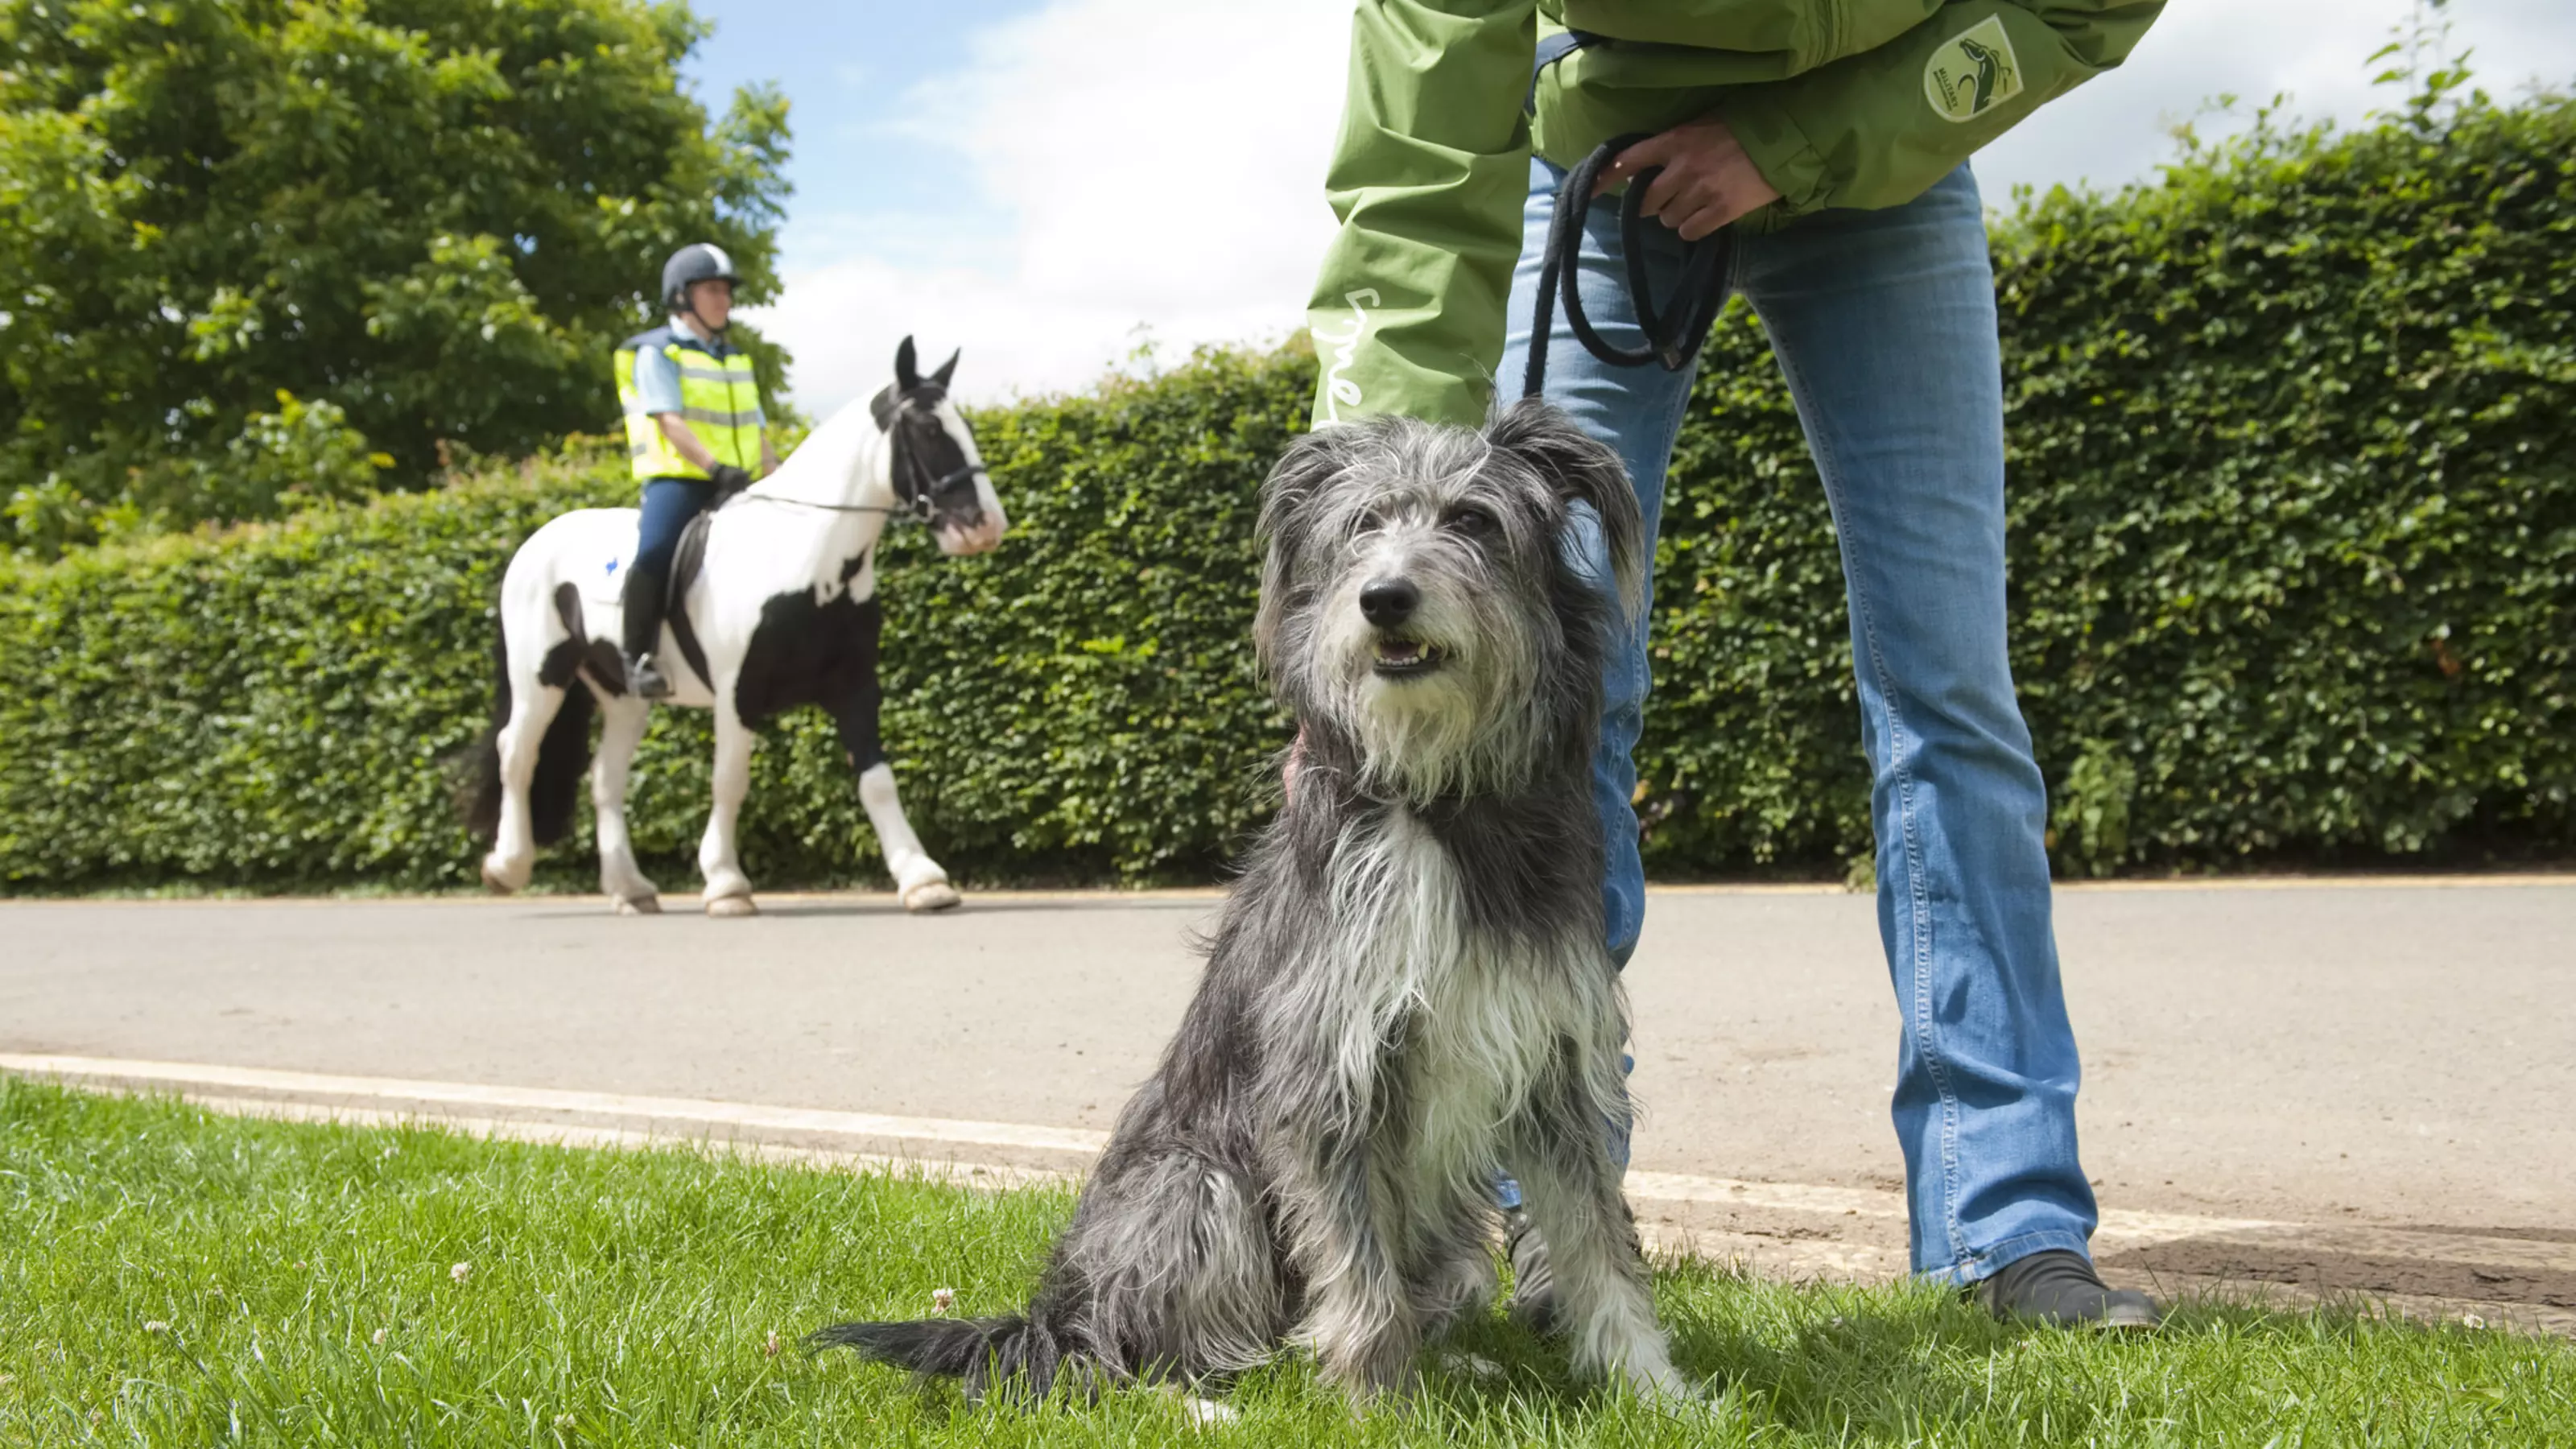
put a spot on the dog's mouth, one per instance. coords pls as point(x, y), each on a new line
point(1407, 658)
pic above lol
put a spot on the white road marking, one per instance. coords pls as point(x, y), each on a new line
point(747, 1116)
point(987, 1175)
point(2501, 880)
point(929, 1146)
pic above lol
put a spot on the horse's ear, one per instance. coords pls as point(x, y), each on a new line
point(906, 375)
point(947, 369)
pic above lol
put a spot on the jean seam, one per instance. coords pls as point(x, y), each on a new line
point(1920, 1007)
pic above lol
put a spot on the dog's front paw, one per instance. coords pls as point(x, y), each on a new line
point(1392, 1391)
point(1459, 1363)
point(1198, 1411)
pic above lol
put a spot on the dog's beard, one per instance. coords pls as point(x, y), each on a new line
point(1463, 724)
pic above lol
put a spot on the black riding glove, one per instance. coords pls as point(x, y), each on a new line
point(729, 480)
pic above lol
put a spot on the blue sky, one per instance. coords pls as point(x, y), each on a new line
point(848, 70)
point(1057, 184)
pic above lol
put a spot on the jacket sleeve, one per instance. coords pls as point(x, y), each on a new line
point(1877, 129)
point(1428, 178)
point(657, 381)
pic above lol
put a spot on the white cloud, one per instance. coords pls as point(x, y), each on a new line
point(1155, 162)
point(1160, 162)
point(2115, 128)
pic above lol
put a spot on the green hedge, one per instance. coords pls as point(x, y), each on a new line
point(2293, 577)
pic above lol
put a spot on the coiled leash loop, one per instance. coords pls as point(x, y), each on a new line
point(1672, 338)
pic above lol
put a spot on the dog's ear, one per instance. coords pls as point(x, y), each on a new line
point(1581, 469)
point(1287, 508)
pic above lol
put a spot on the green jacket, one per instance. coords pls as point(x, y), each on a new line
point(1840, 103)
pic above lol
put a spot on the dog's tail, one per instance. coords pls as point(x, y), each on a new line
point(1019, 1356)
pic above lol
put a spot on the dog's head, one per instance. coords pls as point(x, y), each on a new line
point(1441, 597)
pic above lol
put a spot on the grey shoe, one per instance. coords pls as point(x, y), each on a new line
point(1533, 1281)
point(2060, 1288)
point(645, 679)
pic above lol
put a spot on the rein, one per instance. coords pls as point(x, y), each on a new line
point(904, 509)
point(921, 507)
point(1672, 339)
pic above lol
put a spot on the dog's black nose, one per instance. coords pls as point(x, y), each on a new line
point(1387, 603)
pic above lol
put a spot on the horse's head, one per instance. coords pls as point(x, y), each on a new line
point(938, 475)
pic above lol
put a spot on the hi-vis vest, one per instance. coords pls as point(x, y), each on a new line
point(719, 400)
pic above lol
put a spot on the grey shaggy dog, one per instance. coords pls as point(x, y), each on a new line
point(1407, 991)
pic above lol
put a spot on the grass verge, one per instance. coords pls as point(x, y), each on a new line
point(173, 1277)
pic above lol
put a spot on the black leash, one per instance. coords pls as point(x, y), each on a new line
point(1672, 338)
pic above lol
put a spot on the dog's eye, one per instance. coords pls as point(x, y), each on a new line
point(1473, 522)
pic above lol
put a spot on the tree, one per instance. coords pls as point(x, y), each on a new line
point(263, 250)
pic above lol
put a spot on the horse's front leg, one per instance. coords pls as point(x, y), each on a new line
point(728, 891)
point(918, 880)
point(620, 879)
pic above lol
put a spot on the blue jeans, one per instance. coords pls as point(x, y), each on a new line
point(1884, 325)
point(669, 504)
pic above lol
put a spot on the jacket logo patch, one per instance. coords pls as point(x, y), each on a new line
point(1972, 72)
point(1340, 391)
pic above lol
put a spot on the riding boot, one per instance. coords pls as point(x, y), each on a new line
point(643, 608)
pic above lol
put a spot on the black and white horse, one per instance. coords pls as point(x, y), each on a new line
point(784, 612)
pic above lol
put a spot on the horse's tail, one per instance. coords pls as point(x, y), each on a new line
point(562, 759)
point(483, 807)
point(1020, 1356)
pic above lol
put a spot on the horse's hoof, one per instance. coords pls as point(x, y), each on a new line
point(732, 906)
point(931, 895)
point(639, 905)
point(497, 883)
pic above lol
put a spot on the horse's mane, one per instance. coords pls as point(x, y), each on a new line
point(822, 467)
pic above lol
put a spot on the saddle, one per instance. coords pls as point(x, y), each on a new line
point(686, 561)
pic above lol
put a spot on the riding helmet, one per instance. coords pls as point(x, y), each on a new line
point(696, 262)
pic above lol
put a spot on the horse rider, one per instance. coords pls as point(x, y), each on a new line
point(1834, 140)
point(693, 432)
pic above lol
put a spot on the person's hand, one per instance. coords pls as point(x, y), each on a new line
point(1707, 179)
point(728, 479)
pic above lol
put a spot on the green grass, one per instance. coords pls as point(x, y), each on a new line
point(173, 1277)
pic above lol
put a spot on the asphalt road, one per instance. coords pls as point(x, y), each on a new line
point(2398, 1053)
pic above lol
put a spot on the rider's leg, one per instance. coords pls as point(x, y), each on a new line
point(622, 728)
point(669, 504)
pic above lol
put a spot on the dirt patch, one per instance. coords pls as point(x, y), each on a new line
point(2520, 1235)
point(2329, 1273)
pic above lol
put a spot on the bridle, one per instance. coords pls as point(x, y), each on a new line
point(916, 490)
